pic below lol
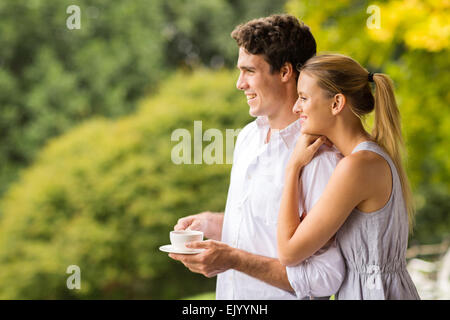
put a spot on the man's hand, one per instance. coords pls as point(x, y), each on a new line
point(208, 222)
point(218, 257)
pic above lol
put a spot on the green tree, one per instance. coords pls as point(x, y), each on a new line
point(198, 31)
point(105, 196)
point(52, 78)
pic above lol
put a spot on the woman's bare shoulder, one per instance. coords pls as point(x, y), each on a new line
point(362, 165)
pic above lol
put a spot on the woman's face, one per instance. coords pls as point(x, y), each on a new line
point(313, 106)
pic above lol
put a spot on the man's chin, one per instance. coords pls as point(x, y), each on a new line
point(253, 112)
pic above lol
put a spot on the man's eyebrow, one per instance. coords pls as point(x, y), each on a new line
point(246, 68)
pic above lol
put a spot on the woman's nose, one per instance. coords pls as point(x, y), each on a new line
point(296, 108)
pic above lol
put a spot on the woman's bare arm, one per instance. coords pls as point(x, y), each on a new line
point(347, 187)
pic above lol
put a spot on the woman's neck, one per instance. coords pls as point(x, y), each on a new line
point(346, 138)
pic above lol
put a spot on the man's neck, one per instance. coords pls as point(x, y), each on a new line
point(280, 123)
point(284, 117)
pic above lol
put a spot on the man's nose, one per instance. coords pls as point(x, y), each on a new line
point(241, 84)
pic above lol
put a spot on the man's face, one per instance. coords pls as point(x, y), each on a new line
point(261, 87)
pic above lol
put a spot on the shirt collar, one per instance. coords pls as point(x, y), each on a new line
point(262, 122)
point(288, 135)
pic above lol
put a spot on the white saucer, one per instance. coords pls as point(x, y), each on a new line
point(170, 249)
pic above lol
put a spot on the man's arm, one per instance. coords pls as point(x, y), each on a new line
point(322, 274)
point(266, 269)
point(219, 257)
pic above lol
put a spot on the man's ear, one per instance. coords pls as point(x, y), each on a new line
point(287, 72)
point(338, 104)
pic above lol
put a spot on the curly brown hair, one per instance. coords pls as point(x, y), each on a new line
point(279, 38)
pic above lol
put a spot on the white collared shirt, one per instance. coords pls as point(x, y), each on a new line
point(251, 213)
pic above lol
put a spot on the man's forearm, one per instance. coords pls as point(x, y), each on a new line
point(266, 269)
point(217, 225)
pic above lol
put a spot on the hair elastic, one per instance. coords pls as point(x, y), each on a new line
point(370, 77)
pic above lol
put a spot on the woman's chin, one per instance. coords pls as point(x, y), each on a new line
point(305, 130)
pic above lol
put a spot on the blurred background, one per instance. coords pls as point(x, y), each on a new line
point(86, 117)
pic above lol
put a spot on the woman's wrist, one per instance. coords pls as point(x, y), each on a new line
point(294, 169)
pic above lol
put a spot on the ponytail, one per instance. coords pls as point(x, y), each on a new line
point(388, 134)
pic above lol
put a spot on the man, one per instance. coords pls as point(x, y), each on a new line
point(242, 249)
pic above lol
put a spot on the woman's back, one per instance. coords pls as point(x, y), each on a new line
point(374, 246)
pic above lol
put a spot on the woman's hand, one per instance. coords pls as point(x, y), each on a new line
point(305, 149)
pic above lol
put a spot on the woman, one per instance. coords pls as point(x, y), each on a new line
point(367, 203)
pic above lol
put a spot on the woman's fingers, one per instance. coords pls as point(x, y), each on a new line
point(328, 142)
point(316, 144)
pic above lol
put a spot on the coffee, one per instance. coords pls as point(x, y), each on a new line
point(178, 239)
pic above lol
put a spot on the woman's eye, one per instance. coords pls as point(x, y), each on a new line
point(303, 98)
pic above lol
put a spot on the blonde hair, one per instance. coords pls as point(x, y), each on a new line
point(340, 74)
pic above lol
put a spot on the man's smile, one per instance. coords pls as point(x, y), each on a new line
point(250, 96)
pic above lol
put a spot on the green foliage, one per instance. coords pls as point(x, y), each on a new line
point(52, 78)
point(198, 31)
point(105, 196)
point(433, 218)
point(412, 47)
point(202, 296)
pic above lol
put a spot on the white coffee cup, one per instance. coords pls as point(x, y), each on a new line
point(179, 238)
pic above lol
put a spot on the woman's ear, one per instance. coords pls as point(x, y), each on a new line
point(286, 72)
point(338, 104)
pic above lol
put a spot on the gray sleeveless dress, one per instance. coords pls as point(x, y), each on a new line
point(374, 246)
